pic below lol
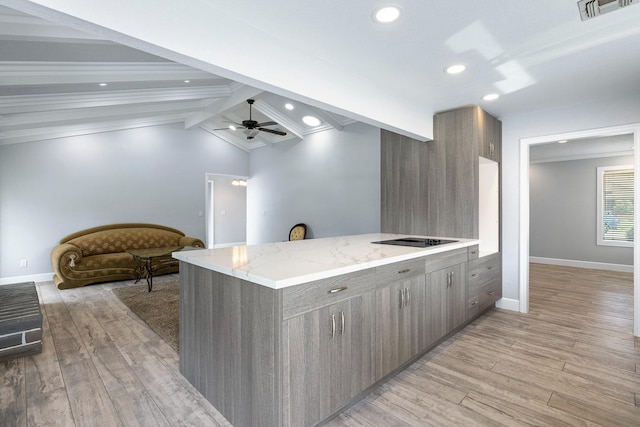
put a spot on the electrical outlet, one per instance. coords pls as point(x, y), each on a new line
point(23, 263)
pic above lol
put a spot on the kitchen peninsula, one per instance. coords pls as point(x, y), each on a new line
point(290, 333)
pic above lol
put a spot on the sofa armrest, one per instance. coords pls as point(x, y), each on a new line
point(190, 241)
point(64, 257)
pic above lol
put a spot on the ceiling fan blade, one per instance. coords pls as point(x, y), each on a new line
point(276, 132)
point(266, 124)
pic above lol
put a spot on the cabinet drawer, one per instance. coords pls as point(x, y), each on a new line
point(481, 297)
point(445, 259)
point(484, 269)
point(473, 252)
point(400, 270)
point(309, 296)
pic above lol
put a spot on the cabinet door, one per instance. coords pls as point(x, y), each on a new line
point(490, 135)
point(452, 175)
point(400, 332)
point(445, 301)
point(457, 297)
point(328, 359)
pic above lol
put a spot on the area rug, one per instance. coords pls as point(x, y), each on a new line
point(158, 308)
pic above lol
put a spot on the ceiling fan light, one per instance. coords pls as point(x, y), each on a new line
point(232, 127)
point(311, 121)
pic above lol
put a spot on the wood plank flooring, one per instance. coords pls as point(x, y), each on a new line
point(571, 361)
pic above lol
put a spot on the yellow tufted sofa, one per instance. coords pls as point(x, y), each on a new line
point(99, 254)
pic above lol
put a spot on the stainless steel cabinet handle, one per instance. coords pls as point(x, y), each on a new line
point(333, 291)
point(406, 270)
point(401, 297)
point(474, 303)
point(492, 292)
point(342, 323)
point(333, 325)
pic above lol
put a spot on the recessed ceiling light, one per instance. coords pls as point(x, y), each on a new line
point(187, 81)
point(386, 14)
point(311, 121)
point(564, 141)
point(455, 69)
point(491, 97)
point(103, 84)
point(288, 106)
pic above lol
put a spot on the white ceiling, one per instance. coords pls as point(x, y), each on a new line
point(586, 148)
point(49, 87)
point(328, 55)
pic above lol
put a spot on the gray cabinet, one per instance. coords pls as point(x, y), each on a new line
point(328, 358)
point(446, 300)
point(431, 188)
point(403, 184)
point(490, 136)
point(484, 284)
point(400, 316)
point(295, 356)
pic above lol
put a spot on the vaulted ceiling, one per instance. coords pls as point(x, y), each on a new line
point(56, 81)
point(327, 56)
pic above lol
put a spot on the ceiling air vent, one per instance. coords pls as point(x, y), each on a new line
point(591, 8)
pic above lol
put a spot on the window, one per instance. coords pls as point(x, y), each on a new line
point(615, 206)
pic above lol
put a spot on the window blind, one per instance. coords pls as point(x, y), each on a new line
point(617, 205)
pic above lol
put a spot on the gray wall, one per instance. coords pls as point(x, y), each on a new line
point(587, 115)
point(50, 189)
point(563, 211)
point(330, 181)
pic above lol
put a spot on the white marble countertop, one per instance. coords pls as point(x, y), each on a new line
point(282, 264)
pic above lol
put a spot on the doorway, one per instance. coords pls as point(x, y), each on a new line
point(524, 237)
point(226, 210)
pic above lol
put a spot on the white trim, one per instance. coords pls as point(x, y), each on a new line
point(508, 304)
point(54, 72)
point(583, 264)
point(42, 277)
point(523, 235)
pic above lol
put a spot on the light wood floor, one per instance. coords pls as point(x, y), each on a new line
point(571, 361)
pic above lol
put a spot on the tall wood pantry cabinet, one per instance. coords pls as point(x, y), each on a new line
point(449, 187)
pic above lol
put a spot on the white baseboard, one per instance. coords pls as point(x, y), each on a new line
point(583, 264)
point(508, 304)
point(43, 277)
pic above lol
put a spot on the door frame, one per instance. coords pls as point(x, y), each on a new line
point(523, 238)
point(209, 198)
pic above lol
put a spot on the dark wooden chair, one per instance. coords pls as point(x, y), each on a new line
point(298, 232)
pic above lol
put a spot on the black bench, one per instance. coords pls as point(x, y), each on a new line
point(20, 321)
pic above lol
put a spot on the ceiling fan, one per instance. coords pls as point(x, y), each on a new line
point(252, 127)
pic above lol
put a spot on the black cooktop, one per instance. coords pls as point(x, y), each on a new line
point(416, 242)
